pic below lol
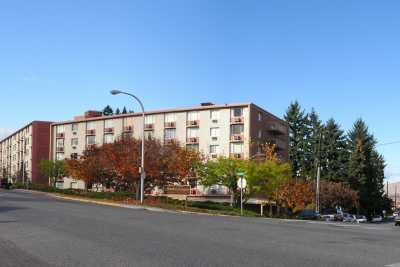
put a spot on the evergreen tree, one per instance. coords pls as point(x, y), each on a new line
point(366, 169)
point(124, 111)
point(312, 134)
point(298, 138)
point(334, 153)
point(108, 111)
point(117, 111)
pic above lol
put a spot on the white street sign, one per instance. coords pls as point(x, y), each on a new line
point(242, 183)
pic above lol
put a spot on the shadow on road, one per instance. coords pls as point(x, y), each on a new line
point(8, 209)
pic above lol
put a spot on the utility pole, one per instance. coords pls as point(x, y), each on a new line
point(318, 200)
point(395, 196)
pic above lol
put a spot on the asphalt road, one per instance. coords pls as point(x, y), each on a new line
point(40, 231)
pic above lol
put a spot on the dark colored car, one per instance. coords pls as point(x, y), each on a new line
point(309, 215)
point(4, 184)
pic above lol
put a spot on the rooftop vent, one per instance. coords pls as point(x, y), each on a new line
point(206, 104)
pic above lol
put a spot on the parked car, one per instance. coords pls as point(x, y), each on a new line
point(309, 215)
point(397, 220)
point(328, 217)
point(360, 218)
point(377, 219)
point(348, 218)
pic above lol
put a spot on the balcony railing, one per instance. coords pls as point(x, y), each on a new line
point(90, 132)
point(109, 130)
point(60, 135)
point(277, 129)
point(169, 141)
point(194, 123)
point(237, 120)
point(237, 155)
point(192, 140)
point(149, 126)
point(170, 125)
point(237, 138)
point(128, 129)
point(60, 149)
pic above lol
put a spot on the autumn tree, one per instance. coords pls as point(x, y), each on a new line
point(296, 195)
point(338, 195)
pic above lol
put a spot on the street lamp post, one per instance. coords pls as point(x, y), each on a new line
point(141, 169)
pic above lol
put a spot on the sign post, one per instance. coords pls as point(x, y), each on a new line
point(242, 184)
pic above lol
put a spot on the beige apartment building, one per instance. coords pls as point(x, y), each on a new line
point(231, 130)
point(22, 151)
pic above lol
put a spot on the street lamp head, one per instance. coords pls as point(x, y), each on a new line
point(115, 92)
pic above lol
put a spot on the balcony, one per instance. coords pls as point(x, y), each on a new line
point(60, 149)
point(280, 145)
point(169, 141)
point(194, 123)
point(170, 125)
point(149, 126)
point(90, 146)
point(108, 130)
point(237, 120)
point(277, 129)
point(60, 135)
point(128, 129)
point(90, 132)
point(237, 155)
point(192, 140)
point(237, 138)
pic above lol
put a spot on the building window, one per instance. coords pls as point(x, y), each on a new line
point(260, 116)
point(192, 132)
point(193, 116)
point(214, 149)
point(74, 156)
point(149, 119)
point(74, 141)
point(108, 138)
point(60, 156)
point(237, 129)
point(149, 135)
point(169, 134)
point(90, 140)
point(194, 147)
point(214, 114)
point(108, 124)
point(90, 125)
point(170, 117)
point(237, 112)
point(214, 133)
point(237, 148)
point(60, 142)
point(60, 129)
point(74, 127)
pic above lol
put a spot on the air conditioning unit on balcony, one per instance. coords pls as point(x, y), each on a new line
point(109, 130)
point(90, 132)
point(214, 156)
point(60, 135)
point(237, 119)
point(237, 138)
point(193, 140)
point(237, 156)
point(214, 121)
point(73, 147)
point(74, 132)
point(170, 125)
point(128, 129)
point(214, 138)
point(192, 123)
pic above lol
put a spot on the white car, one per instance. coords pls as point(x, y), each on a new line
point(377, 219)
point(360, 218)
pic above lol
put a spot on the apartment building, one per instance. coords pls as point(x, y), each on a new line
point(22, 151)
point(231, 130)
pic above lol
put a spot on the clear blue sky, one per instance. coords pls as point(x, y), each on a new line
point(60, 58)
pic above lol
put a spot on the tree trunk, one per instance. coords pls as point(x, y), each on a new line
point(232, 198)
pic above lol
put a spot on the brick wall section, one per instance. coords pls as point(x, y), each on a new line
point(264, 125)
point(40, 149)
